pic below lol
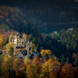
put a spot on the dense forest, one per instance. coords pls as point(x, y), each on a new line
point(63, 43)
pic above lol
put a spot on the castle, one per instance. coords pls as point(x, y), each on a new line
point(22, 46)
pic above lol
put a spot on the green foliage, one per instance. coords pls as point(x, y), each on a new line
point(68, 38)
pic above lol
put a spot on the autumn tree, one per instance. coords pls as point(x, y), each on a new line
point(36, 63)
point(10, 49)
point(16, 63)
point(26, 60)
point(4, 67)
point(31, 72)
point(50, 69)
point(20, 72)
point(46, 53)
point(3, 40)
point(67, 71)
point(7, 67)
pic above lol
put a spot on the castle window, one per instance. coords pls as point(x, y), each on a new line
point(24, 52)
point(30, 48)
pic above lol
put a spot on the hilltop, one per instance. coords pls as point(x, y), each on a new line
point(25, 18)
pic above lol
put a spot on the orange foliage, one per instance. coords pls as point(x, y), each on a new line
point(35, 60)
point(51, 68)
point(67, 71)
point(36, 64)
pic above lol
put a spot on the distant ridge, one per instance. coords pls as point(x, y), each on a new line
point(23, 15)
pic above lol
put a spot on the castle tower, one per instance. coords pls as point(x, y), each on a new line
point(29, 48)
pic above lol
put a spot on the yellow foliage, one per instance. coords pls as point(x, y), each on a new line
point(26, 60)
point(3, 40)
point(51, 66)
point(43, 52)
point(5, 59)
point(15, 63)
point(10, 48)
point(28, 71)
point(50, 60)
point(4, 66)
point(31, 72)
point(48, 51)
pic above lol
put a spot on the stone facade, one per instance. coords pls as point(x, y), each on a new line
point(20, 43)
